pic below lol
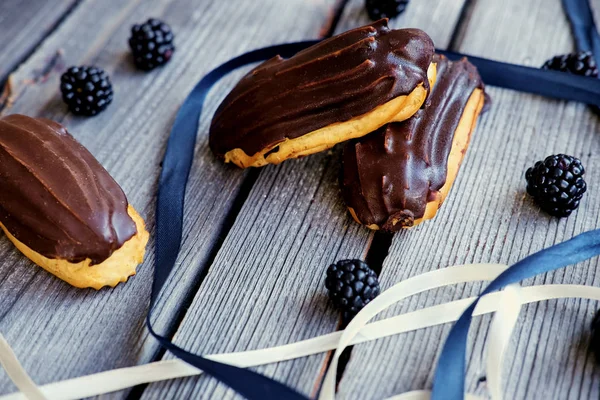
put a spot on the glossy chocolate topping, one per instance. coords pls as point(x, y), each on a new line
point(334, 81)
point(393, 172)
point(55, 197)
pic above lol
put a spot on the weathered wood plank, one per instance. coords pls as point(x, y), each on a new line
point(265, 286)
point(24, 26)
point(488, 218)
point(60, 332)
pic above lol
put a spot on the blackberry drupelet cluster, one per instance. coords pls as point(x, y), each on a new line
point(351, 285)
point(151, 44)
point(378, 9)
point(557, 184)
point(86, 90)
point(582, 63)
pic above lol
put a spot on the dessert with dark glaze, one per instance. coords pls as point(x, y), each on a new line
point(341, 88)
point(62, 209)
point(399, 175)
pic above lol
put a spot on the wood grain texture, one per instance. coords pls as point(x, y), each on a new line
point(489, 218)
point(24, 26)
point(60, 332)
point(266, 286)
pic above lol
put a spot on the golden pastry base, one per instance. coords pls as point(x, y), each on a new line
point(115, 269)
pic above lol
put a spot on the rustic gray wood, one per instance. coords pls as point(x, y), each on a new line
point(23, 26)
point(488, 218)
point(58, 331)
point(266, 285)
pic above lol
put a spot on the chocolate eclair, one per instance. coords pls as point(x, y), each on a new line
point(341, 88)
point(399, 175)
point(62, 209)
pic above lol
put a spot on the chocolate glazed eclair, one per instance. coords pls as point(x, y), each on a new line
point(342, 88)
point(62, 209)
point(399, 175)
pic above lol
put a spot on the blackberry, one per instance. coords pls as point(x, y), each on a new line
point(595, 336)
point(351, 285)
point(378, 9)
point(582, 63)
point(557, 184)
point(86, 90)
point(151, 44)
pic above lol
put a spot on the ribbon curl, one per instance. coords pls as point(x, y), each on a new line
point(123, 378)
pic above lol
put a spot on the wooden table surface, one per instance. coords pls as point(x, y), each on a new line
point(256, 243)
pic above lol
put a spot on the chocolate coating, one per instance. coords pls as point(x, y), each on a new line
point(334, 81)
point(393, 172)
point(55, 197)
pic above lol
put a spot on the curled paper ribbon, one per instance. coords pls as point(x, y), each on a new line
point(427, 281)
point(109, 381)
point(500, 332)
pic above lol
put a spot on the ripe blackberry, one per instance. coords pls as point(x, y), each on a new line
point(151, 44)
point(378, 9)
point(582, 63)
point(595, 336)
point(86, 90)
point(557, 184)
point(351, 285)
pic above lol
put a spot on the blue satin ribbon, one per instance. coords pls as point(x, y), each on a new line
point(554, 84)
point(177, 163)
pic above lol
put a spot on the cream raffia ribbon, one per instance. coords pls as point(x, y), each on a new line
point(502, 327)
point(123, 378)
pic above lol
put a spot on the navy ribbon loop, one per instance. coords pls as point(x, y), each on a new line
point(178, 160)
